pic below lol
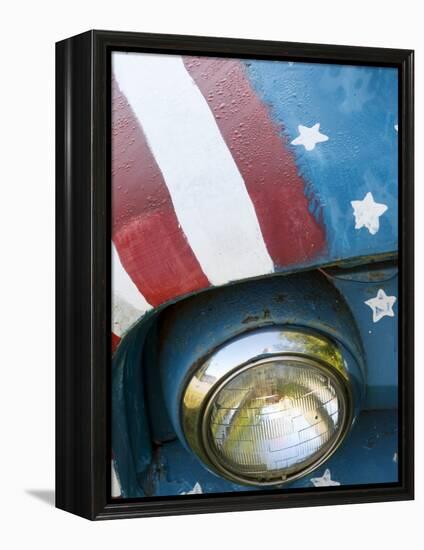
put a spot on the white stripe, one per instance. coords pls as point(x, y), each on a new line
point(128, 304)
point(207, 190)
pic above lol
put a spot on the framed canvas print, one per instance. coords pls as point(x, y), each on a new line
point(234, 274)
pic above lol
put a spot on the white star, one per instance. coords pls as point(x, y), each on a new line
point(381, 305)
point(396, 127)
point(325, 480)
point(367, 213)
point(309, 137)
point(197, 490)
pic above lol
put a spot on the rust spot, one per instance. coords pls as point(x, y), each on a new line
point(376, 276)
point(250, 319)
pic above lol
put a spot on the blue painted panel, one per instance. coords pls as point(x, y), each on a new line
point(357, 108)
point(333, 303)
point(369, 455)
point(160, 425)
point(380, 338)
point(131, 437)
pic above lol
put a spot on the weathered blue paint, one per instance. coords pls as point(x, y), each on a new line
point(332, 303)
point(357, 108)
point(379, 339)
point(372, 446)
point(194, 328)
point(132, 442)
point(160, 425)
point(369, 455)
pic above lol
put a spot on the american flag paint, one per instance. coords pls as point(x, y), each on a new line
point(224, 170)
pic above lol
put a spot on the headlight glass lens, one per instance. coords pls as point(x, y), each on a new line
point(274, 419)
point(269, 406)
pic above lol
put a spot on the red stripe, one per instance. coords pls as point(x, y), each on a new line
point(115, 341)
point(152, 247)
point(290, 231)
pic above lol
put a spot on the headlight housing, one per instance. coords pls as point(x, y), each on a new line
point(269, 406)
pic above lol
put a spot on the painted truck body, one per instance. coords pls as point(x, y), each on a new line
point(268, 185)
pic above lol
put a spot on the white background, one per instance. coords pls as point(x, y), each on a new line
point(28, 32)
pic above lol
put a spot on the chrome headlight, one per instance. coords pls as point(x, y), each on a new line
point(268, 407)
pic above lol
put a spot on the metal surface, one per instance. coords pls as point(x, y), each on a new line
point(380, 338)
point(368, 456)
point(262, 347)
point(192, 330)
point(226, 169)
point(277, 172)
point(357, 108)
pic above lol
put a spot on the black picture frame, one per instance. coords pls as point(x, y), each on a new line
point(83, 273)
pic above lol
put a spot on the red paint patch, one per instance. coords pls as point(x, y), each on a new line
point(290, 231)
point(115, 341)
point(152, 247)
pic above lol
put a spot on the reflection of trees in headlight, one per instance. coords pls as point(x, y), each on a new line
point(269, 406)
point(273, 417)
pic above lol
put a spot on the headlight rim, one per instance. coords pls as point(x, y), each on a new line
point(194, 426)
point(342, 431)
